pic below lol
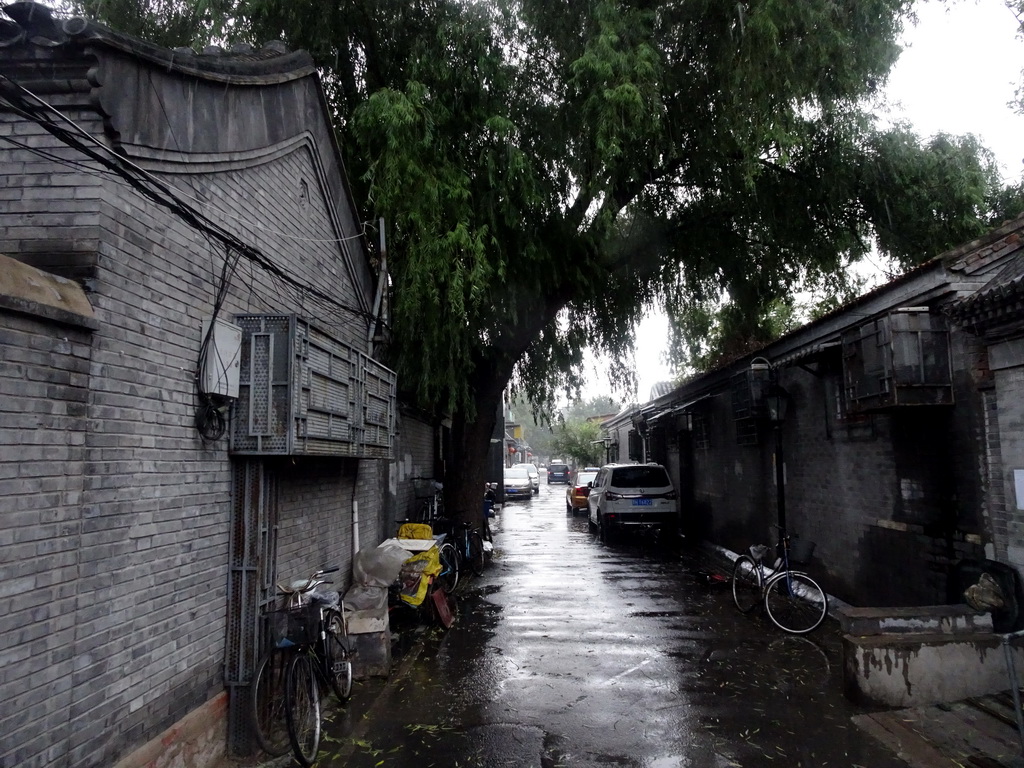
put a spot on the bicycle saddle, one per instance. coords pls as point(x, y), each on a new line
point(758, 551)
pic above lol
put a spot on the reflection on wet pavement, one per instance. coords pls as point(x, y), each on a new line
point(568, 652)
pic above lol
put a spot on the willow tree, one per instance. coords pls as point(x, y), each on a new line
point(548, 169)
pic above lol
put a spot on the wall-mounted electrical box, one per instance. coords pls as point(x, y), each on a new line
point(221, 361)
point(304, 392)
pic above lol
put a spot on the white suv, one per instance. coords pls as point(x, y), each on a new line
point(625, 496)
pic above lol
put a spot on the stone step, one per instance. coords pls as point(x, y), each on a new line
point(918, 669)
point(921, 619)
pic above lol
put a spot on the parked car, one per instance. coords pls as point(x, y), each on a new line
point(558, 472)
point(517, 483)
point(633, 496)
point(579, 488)
point(534, 474)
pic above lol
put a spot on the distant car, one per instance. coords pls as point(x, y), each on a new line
point(578, 490)
point(632, 496)
point(534, 474)
point(517, 483)
point(558, 472)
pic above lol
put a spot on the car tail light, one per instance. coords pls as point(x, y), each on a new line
point(670, 495)
point(612, 496)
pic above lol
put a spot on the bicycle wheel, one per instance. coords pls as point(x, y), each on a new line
point(338, 664)
point(795, 603)
point(303, 709)
point(266, 703)
point(475, 547)
point(746, 583)
point(448, 578)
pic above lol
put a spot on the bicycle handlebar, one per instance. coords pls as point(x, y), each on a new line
point(314, 580)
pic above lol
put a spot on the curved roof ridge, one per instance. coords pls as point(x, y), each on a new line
point(240, 64)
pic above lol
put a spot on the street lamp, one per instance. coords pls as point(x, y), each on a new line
point(772, 401)
point(607, 443)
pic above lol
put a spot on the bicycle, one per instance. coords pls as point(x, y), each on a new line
point(448, 578)
point(470, 547)
point(794, 601)
point(310, 644)
point(438, 602)
point(431, 501)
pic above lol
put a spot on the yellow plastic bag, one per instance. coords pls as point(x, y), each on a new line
point(415, 531)
point(417, 574)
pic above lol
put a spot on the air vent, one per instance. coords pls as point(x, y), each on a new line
point(303, 392)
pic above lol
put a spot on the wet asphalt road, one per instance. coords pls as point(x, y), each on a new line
point(568, 652)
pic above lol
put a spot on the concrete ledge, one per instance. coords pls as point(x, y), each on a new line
point(367, 620)
point(928, 619)
point(913, 670)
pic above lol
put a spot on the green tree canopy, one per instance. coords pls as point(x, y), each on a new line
point(542, 429)
point(578, 442)
point(548, 169)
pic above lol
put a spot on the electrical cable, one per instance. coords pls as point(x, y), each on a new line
point(163, 195)
point(210, 419)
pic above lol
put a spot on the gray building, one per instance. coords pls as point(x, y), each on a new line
point(191, 406)
point(901, 445)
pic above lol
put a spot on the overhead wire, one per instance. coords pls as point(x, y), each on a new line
point(152, 187)
point(210, 419)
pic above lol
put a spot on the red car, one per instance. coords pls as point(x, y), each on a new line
point(576, 495)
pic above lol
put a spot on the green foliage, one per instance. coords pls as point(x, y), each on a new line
point(169, 23)
point(602, 405)
point(547, 170)
point(542, 429)
point(578, 442)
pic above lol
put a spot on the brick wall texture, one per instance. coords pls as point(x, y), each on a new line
point(116, 514)
point(891, 501)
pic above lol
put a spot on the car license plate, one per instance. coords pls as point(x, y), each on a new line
point(642, 502)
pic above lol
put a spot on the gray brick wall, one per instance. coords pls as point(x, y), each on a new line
point(43, 424)
point(1010, 425)
point(891, 502)
point(415, 459)
point(114, 548)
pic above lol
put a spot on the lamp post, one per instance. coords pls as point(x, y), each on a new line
point(776, 402)
point(769, 396)
point(606, 442)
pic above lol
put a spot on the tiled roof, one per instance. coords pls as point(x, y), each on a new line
point(999, 302)
point(32, 23)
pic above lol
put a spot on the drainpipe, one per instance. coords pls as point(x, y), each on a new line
point(355, 528)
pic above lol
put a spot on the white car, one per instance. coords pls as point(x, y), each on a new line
point(534, 473)
point(632, 496)
point(517, 483)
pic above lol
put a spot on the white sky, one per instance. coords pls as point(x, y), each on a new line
point(958, 71)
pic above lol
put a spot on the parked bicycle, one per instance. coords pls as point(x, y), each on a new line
point(429, 500)
point(793, 600)
point(469, 545)
point(446, 579)
point(309, 650)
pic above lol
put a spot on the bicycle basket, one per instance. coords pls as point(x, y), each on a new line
point(295, 626)
point(800, 551)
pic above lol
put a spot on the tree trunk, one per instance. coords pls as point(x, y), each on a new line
point(471, 444)
point(471, 437)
